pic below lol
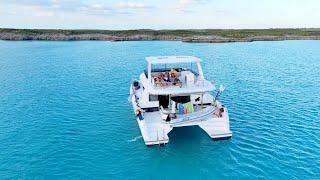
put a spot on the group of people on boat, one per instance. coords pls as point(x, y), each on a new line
point(182, 108)
point(167, 78)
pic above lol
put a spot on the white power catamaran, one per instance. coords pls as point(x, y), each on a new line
point(173, 92)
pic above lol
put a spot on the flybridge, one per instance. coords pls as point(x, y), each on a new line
point(172, 59)
point(186, 81)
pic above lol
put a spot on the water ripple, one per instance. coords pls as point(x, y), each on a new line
point(64, 112)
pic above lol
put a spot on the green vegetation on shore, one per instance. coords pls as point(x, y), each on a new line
point(192, 35)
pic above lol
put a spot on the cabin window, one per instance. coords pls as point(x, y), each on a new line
point(181, 99)
point(153, 98)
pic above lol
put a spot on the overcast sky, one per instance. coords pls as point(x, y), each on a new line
point(159, 14)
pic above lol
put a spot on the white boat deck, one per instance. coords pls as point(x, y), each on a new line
point(216, 128)
point(155, 131)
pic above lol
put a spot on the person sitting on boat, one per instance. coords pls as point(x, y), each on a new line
point(157, 81)
point(160, 75)
point(139, 114)
point(173, 73)
point(172, 79)
point(176, 82)
point(166, 76)
point(218, 112)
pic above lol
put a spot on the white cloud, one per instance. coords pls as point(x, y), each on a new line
point(159, 14)
point(97, 6)
point(51, 7)
point(36, 10)
point(44, 13)
point(129, 5)
point(188, 5)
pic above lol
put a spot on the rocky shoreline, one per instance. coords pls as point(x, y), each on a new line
point(250, 39)
point(147, 35)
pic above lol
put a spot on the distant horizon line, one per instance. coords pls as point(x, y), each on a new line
point(314, 28)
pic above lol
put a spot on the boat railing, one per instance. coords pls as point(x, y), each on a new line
point(193, 117)
point(164, 84)
point(177, 119)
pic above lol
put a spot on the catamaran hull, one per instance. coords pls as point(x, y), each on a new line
point(155, 131)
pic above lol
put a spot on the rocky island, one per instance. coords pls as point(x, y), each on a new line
point(192, 35)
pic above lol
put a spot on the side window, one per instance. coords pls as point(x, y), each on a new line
point(153, 98)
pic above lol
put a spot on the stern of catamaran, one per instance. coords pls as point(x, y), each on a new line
point(173, 92)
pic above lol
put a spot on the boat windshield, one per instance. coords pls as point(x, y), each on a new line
point(178, 66)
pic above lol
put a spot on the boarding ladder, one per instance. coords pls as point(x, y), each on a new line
point(162, 140)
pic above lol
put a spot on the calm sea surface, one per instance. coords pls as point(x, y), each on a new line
point(64, 112)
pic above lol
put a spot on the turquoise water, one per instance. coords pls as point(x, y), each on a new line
point(64, 112)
